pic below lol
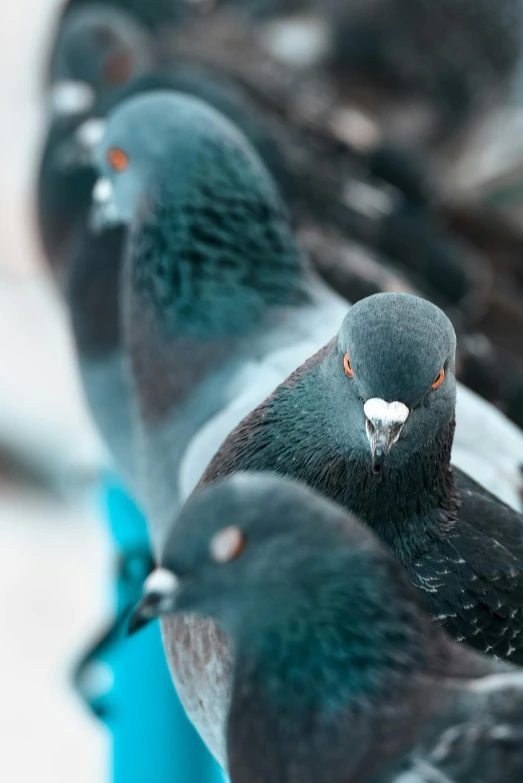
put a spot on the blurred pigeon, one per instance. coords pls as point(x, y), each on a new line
point(97, 49)
point(218, 299)
point(338, 672)
point(377, 410)
point(88, 264)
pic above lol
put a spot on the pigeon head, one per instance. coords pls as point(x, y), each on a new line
point(257, 550)
point(166, 137)
point(394, 364)
point(98, 50)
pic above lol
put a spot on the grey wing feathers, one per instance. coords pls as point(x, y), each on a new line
point(473, 586)
point(481, 739)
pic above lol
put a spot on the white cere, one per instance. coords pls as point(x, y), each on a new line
point(69, 98)
point(385, 414)
point(161, 582)
point(103, 191)
point(91, 132)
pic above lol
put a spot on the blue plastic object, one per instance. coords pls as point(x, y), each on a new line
point(153, 741)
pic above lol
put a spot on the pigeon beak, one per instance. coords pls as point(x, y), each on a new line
point(71, 99)
point(384, 422)
point(79, 150)
point(104, 212)
point(159, 598)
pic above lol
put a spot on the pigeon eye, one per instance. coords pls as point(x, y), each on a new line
point(227, 544)
point(439, 379)
point(117, 159)
point(346, 365)
point(119, 69)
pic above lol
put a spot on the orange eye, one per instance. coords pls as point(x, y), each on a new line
point(439, 379)
point(346, 364)
point(119, 69)
point(117, 159)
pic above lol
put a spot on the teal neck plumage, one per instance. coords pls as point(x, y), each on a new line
point(214, 249)
point(341, 634)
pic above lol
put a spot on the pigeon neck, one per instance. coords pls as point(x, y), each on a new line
point(203, 275)
point(407, 507)
point(311, 659)
point(312, 626)
point(211, 266)
point(92, 290)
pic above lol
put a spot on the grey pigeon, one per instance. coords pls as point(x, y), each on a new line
point(337, 673)
point(88, 264)
point(374, 434)
point(97, 49)
point(218, 301)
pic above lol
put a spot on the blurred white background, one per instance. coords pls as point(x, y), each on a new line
point(54, 560)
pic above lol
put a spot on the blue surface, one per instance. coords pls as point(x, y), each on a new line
point(153, 741)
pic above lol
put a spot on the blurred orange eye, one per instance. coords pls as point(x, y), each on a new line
point(346, 364)
point(117, 159)
point(119, 69)
point(439, 379)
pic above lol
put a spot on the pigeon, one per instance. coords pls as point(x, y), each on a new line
point(369, 423)
point(217, 297)
point(331, 660)
point(97, 49)
point(87, 264)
